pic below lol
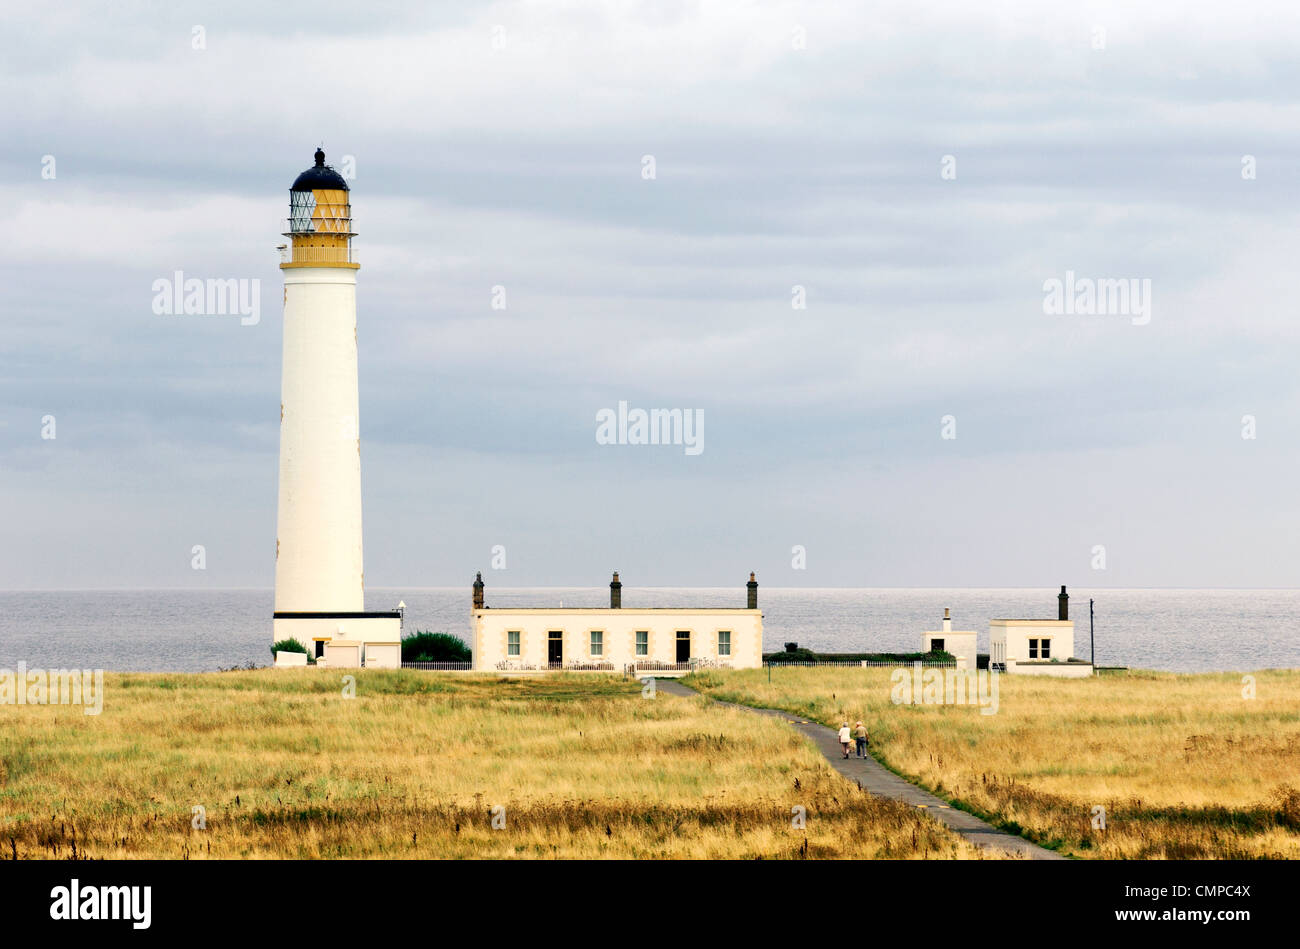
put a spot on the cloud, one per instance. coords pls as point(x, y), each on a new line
point(502, 147)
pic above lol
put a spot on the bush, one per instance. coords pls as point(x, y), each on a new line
point(795, 655)
point(808, 655)
point(422, 646)
point(934, 655)
point(287, 645)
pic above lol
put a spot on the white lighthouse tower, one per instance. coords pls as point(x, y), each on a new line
point(319, 577)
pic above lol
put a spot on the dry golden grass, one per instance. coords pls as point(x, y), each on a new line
point(285, 767)
point(1183, 764)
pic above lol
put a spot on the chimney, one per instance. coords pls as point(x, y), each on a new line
point(615, 593)
point(478, 591)
point(947, 621)
point(753, 591)
point(1063, 604)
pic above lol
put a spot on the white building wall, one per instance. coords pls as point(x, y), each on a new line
point(1055, 670)
point(489, 638)
point(378, 655)
point(343, 655)
point(376, 629)
point(959, 642)
point(1009, 638)
point(318, 564)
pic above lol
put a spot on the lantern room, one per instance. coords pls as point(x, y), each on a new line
point(320, 220)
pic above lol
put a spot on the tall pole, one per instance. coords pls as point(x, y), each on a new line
point(1092, 642)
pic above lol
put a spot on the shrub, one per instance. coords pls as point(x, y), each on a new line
point(808, 655)
point(287, 645)
point(1287, 799)
point(795, 655)
point(423, 646)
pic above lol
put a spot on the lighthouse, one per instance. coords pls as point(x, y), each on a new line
point(319, 575)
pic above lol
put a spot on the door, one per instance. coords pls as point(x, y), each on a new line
point(555, 647)
point(683, 645)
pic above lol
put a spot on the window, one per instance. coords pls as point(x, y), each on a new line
point(643, 642)
point(724, 642)
point(597, 642)
point(1045, 649)
point(936, 645)
point(512, 643)
point(1033, 649)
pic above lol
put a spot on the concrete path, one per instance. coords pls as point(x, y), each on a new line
point(879, 780)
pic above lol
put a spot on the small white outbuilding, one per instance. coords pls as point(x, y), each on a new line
point(1037, 646)
point(959, 642)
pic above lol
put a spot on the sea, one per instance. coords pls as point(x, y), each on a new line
point(206, 630)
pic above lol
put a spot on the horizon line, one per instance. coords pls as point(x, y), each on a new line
point(271, 589)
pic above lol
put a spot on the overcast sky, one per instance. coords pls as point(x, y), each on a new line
point(794, 145)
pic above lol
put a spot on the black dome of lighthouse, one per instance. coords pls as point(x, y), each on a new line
point(321, 176)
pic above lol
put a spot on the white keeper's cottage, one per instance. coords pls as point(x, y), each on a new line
point(664, 640)
point(1037, 646)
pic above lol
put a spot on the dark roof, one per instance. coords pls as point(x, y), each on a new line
point(320, 176)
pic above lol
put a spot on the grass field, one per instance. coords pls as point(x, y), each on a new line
point(285, 766)
point(1184, 765)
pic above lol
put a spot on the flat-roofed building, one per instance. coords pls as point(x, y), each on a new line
point(1037, 646)
point(960, 643)
point(669, 640)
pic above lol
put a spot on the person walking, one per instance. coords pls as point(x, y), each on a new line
point(845, 738)
point(860, 736)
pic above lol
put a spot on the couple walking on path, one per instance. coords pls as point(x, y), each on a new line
point(857, 736)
